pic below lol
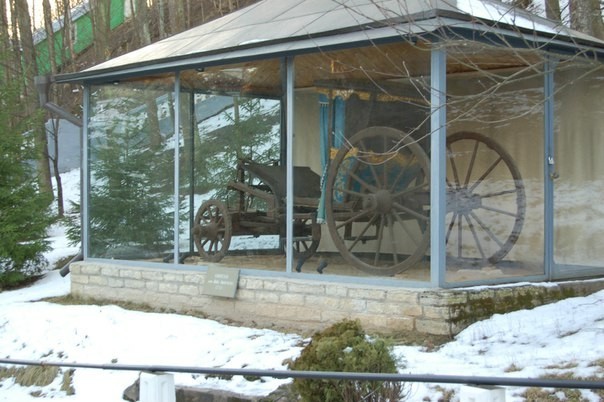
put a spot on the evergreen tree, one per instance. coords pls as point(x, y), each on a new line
point(24, 210)
point(131, 214)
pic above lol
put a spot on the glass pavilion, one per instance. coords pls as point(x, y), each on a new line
point(435, 144)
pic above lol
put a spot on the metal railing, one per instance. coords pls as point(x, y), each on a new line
point(329, 375)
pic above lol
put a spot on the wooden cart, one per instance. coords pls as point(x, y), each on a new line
point(377, 203)
point(260, 191)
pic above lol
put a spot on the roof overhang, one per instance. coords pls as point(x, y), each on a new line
point(431, 25)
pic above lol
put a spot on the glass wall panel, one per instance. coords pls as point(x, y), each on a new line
point(579, 169)
point(231, 184)
point(131, 168)
point(495, 201)
point(361, 150)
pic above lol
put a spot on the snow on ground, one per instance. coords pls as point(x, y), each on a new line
point(533, 342)
point(567, 336)
point(108, 334)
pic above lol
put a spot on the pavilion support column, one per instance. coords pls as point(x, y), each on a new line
point(84, 174)
point(438, 162)
point(177, 133)
point(289, 191)
point(550, 164)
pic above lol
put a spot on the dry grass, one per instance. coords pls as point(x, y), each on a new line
point(512, 368)
point(556, 395)
point(566, 395)
point(40, 376)
point(67, 383)
point(447, 395)
point(566, 366)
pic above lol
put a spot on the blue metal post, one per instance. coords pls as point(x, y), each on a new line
point(289, 212)
point(549, 168)
point(438, 201)
point(176, 166)
point(84, 175)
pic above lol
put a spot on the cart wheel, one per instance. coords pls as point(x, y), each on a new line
point(486, 201)
point(377, 201)
point(307, 235)
point(212, 231)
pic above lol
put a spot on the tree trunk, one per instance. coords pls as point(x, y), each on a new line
point(50, 36)
point(52, 96)
point(161, 22)
point(586, 17)
point(155, 138)
point(552, 10)
point(16, 46)
point(141, 18)
point(68, 50)
point(5, 45)
point(176, 16)
point(100, 12)
point(523, 3)
point(55, 164)
point(30, 93)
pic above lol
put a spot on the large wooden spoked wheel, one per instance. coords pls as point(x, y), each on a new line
point(486, 201)
point(377, 201)
point(212, 230)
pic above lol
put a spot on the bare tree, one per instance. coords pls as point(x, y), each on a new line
point(552, 10)
point(100, 12)
point(55, 122)
point(226, 6)
point(68, 51)
point(177, 17)
point(525, 4)
point(50, 35)
point(5, 43)
point(159, 6)
point(29, 62)
point(141, 20)
point(586, 16)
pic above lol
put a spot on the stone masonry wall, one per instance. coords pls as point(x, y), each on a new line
point(306, 306)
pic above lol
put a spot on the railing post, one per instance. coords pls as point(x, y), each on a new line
point(475, 393)
point(157, 387)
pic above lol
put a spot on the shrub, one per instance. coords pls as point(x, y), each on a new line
point(344, 347)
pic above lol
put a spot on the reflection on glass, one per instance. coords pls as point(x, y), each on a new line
point(186, 178)
point(237, 212)
point(485, 199)
point(244, 132)
point(362, 123)
point(579, 169)
point(494, 221)
point(131, 154)
point(235, 206)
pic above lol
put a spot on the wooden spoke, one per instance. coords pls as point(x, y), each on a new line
point(486, 223)
point(366, 219)
point(212, 230)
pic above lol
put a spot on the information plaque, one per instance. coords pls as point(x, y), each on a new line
point(221, 282)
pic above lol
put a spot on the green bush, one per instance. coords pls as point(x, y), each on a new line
point(344, 347)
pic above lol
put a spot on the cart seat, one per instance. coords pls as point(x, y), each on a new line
point(307, 184)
